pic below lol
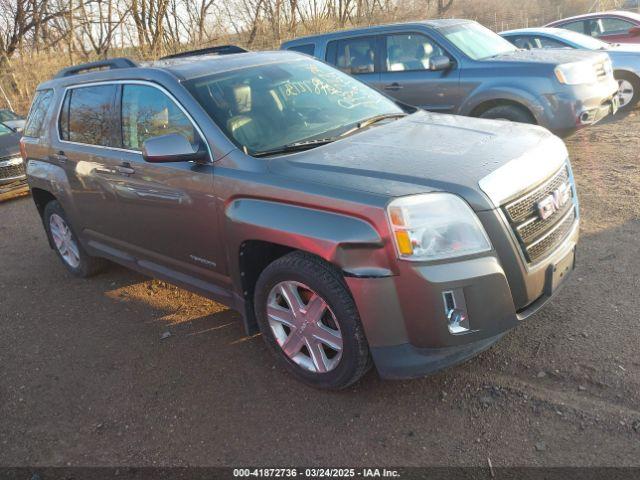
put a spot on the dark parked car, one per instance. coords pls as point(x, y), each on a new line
point(12, 172)
point(625, 57)
point(12, 119)
point(348, 229)
point(613, 27)
point(461, 67)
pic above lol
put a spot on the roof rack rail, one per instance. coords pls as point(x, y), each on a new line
point(220, 50)
point(110, 64)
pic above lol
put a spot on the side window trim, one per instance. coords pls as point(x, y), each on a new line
point(383, 48)
point(118, 112)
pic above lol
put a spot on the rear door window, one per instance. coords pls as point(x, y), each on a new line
point(525, 42)
point(87, 115)
point(355, 55)
point(575, 26)
point(307, 48)
point(546, 42)
point(38, 113)
point(147, 112)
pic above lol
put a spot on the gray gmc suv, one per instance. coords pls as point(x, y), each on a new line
point(348, 229)
point(461, 67)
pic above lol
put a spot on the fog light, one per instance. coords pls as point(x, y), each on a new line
point(455, 311)
point(457, 318)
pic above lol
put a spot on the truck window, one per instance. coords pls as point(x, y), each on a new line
point(574, 26)
point(38, 113)
point(147, 112)
point(524, 42)
point(307, 48)
point(546, 42)
point(612, 26)
point(356, 55)
point(87, 115)
point(412, 51)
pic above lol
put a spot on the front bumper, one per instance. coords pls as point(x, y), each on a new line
point(406, 361)
point(579, 106)
point(405, 316)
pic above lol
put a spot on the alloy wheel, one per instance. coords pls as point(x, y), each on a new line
point(625, 92)
point(64, 241)
point(304, 327)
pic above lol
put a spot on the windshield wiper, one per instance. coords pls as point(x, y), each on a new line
point(317, 142)
point(296, 147)
point(370, 121)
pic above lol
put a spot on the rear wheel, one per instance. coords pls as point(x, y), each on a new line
point(310, 322)
point(512, 113)
point(66, 244)
point(628, 90)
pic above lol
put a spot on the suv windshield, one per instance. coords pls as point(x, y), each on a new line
point(269, 107)
point(477, 41)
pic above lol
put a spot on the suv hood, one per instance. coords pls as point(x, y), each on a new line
point(427, 152)
point(549, 57)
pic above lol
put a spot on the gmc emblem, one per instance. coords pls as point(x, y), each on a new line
point(554, 201)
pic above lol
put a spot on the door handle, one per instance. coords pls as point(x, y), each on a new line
point(59, 157)
point(395, 86)
point(125, 169)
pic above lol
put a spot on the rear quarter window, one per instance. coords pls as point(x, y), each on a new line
point(307, 48)
point(38, 113)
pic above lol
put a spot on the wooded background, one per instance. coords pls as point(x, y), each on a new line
point(38, 37)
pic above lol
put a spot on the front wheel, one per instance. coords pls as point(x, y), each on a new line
point(628, 90)
point(512, 113)
point(310, 322)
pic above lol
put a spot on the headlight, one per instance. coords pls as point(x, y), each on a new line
point(7, 162)
point(578, 73)
point(435, 226)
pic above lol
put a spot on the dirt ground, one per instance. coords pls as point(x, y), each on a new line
point(86, 377)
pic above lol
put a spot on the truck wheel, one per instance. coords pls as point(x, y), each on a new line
point(628, 90)
point(310, 321)
point(512, 113)
point(66, 244)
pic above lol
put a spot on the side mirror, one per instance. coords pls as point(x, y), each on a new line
point(634, 31)
point(172, 148)
point(439, 62)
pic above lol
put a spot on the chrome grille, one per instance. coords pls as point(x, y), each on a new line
point(11, 169)
point(539, 236)
point(525, 207)
point(556, 236)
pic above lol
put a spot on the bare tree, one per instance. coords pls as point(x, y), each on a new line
point(99, 19)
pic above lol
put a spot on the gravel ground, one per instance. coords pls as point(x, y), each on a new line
point(86, 377)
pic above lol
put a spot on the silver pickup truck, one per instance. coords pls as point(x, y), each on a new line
point(350, 230)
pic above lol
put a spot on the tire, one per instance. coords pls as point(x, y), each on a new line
point(77, 261)
point(631, 85)
point(302, 275)
point(512, 113)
